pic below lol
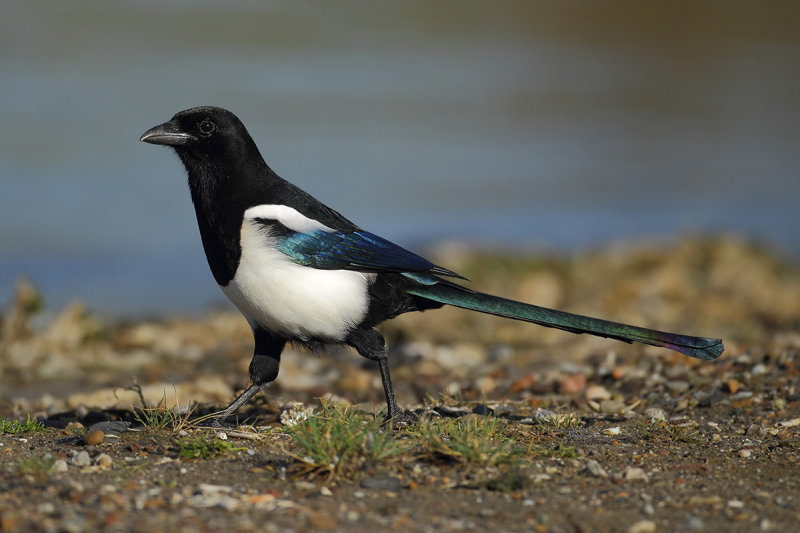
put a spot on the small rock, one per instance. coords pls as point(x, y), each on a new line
point(325, 491)
point(612, 431)
point(594, 469)
point(597, 392)
point(572, 384)
point(735, 504)
point(111, 427)
point(322, 521)
point(695, 524)
point(93, 438)
point(744, 454)
point(633, 473)
point(655, 414)
point(611, 406)
point(732, 386)
point(643, 526)
point(104, 460)
point(678, 387)
point(82, 459)
point(754, 431)
point(388, 483)
point(59, 465)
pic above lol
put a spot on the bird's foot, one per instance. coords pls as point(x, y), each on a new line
point(401, 419)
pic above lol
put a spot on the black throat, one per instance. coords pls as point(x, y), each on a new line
point(217, 186)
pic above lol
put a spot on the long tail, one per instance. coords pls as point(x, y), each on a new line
point(451, 294)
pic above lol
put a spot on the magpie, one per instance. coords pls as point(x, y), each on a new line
point(302, 273)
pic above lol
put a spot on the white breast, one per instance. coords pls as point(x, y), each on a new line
point(290, 299)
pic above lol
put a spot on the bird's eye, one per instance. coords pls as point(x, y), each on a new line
point(206, 128)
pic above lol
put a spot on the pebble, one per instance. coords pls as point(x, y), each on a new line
point(572, 384)
point(695, 524)
point(678, 387)
point(389, 483)
point(735, 504)
point(612, 431)
point(754, 431)
point(59, 465)
point(643, 526)
point(633, 473)
point(104, 460)
point(611, 406)
point(732, 386)
point(595, 469)
point(82, 459)
point(93, 438)
point(655, 414)
point(597, 392)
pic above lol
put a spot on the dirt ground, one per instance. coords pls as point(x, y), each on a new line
point(655, 442)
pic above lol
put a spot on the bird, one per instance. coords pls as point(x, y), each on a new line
point(302, 273)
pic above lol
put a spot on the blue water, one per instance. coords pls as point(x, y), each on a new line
point(527, 125)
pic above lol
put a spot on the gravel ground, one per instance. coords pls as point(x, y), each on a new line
point(658, 442)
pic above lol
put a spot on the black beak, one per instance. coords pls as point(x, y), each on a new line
point(167, 134)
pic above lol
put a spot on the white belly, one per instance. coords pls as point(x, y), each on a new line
point(292, 300)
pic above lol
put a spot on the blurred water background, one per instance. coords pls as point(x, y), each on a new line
point(552, 126)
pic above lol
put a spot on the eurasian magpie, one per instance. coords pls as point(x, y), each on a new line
point(300, 272)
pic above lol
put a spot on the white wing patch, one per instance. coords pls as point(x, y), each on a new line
point(288, 216)
point(290, 299)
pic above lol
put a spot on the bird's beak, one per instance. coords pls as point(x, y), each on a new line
point(167, 134)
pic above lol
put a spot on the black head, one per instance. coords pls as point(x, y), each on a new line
point(202, 134)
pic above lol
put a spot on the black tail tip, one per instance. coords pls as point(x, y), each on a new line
point(709, 350)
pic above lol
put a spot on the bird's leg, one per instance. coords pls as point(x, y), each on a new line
point(263, 371)
point(371, 344)
point(234, 406)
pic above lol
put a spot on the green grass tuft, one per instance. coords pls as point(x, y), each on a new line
point(15, 427)
point(336, 440)
point(478, 440)
point(203, 448)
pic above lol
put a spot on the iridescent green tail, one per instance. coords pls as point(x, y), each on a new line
point(451, 294)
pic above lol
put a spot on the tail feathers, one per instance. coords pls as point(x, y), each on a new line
point(451, 294)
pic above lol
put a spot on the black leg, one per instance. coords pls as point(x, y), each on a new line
point(263, 371)
point(371, 344)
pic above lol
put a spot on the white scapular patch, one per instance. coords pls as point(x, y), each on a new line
point(288, 216)
point(290, 299)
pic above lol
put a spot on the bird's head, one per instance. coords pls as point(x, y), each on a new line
point(202, 135)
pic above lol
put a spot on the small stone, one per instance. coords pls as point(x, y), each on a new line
point(794, 422)
point(322, 521)
point(59, 465)
point(754, 431)
point(695, 524)
point(633, 473)
point(325, 491)
point(735, 504)
point(104, 460)
point(93, 438)
point(82, 459)
point(597, 392)
point(655, 414)
point(744, 454)
point(611, 406)
point(678, 387)
point(643, 526)
point(716, 437)
point(595, 469)
point(612, 431)
point(572, 384)
point(732, 386)
point(388, 483)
